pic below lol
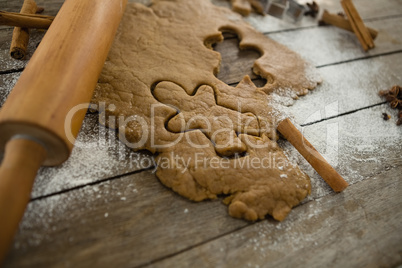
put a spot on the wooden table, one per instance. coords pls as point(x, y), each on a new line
point(105, 207)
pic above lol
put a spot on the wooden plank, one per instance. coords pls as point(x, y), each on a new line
point(358, 228)
point(348, 87)
point(123, 223)
point(235, 63)
point(329, 45)
point(119, 222)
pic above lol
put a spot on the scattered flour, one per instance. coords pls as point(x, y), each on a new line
point(54, 214)
point(7, 82)
point(102, 156)
point(347, 145)
point(8, 63)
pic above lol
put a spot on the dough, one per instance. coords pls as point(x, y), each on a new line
point(160, 91)
point(244, 7)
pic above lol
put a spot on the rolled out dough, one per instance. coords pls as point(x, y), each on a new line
point(160, 80)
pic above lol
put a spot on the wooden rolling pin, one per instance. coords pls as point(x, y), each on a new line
point(62, 73)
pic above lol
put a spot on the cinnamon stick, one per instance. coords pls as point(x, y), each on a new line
point(316, 160)
point(357, 25)
point(25, 20)
point(338, 21)
point(19, 42)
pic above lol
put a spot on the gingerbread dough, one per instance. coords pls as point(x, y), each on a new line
point(160, 91)
point(244, 7)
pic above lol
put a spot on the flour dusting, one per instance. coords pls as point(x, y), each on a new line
point(98, 154)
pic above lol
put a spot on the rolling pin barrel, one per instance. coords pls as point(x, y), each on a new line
point(61, 74)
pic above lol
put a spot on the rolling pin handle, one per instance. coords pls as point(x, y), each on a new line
point(22, 160)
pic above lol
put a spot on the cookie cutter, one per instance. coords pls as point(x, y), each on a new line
point(277, 8)
point(296, 10)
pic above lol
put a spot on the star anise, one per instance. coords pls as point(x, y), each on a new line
point(393, 96)
point(399, 122)
point(313, 9)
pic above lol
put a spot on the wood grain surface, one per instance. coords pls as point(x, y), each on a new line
point(351, 229)
point(105, 207)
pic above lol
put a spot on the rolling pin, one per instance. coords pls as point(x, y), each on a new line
point(61, 74)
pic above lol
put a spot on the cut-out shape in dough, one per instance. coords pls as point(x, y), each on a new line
point(236, 61)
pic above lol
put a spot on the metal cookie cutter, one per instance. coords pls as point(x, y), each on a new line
point(277, 8)
point(296, 10)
